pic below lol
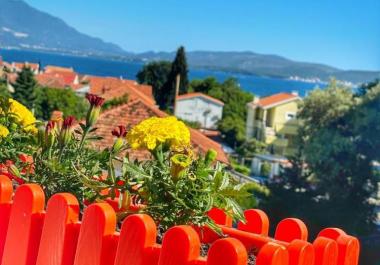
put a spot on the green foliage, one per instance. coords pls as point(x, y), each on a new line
point(192, 124)
point(4, 88)
point(48, 100)
point(240, 168)
point(25, 86)
point(251, 147)
point(115, 102)
point(332, 174)
point(179, 67)
point(187, 198)
point(203, 85)
point(265, 169)
point(63, 157)
point(255, 190)
point(364, 88)
point(162, 77)
point(155, 74)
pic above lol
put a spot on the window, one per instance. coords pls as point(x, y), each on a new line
point(290, 116)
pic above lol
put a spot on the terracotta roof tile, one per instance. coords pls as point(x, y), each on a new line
point(197, 94)
point(53, 68)
point(276, 99)
point(111, 87)
point(33, 66)
point(57, 79)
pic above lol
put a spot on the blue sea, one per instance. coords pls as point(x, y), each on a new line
point(261, 86)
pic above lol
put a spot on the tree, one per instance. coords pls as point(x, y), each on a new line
point(204, 85)
point(332, 174)
point(178, 67)
point(4, 88)
point(364, 88)
point(155, 74)
point(50, 99)
point(25, 86)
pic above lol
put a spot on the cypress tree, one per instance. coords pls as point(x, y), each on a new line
point(24, 87)
point(179, 67)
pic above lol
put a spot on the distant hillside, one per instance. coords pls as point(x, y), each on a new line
point(22, 26)
point(263, 65)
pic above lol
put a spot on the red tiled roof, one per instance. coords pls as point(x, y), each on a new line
point(33, 66)
point(111, 87)
point(276, 99)
point(54, 69)
point(197, 94)
point(134, 112)
point(57, 79)
point(50, 80)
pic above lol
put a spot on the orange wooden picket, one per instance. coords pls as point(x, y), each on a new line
point(31, 236)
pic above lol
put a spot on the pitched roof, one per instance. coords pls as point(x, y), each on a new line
point(111, 87)
point(32, 66)
point(50, 80)
point(276, 99)
point(57, 79)
point(198, 94)
point(53, 68)
point(134, 112)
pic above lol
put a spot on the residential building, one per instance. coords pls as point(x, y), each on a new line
point(17, 67)
point(201, 108)
point(273, 120)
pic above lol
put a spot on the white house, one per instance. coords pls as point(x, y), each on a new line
point(198, 107)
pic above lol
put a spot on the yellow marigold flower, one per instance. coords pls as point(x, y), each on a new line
point(3, 131)
point(151, 132)
point(24, 117)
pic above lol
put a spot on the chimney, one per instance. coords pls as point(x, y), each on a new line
point(295, 93)
point(256, 100)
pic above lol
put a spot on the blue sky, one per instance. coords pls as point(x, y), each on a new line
point(342, 33)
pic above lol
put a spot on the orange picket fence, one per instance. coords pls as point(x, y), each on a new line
point(31, 235)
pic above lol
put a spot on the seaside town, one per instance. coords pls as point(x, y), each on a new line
point(157, 133)
point(271, 124)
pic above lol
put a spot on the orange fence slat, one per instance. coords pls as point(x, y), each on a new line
point(256, 222)
point(6, 191)
point(290, 229)
point(348, 246)
point(227, 251)
point(180, 246)
point(137, 238)
point(95, 244)
point(272, 254)
point(300, 253)
point(60, 231)
point(26, 220)
point(326, 251)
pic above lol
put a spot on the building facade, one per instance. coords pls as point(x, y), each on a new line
point(273, 120)
point(201, 108)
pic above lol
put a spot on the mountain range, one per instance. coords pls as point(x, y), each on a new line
point(24, 27)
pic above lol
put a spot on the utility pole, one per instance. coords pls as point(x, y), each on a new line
point(177, 82)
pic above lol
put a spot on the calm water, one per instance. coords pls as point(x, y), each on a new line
point(260, 86)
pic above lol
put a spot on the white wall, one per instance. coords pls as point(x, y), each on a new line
point(194, 109)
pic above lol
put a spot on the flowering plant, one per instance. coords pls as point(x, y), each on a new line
point(175, 186)
point(17, 130)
